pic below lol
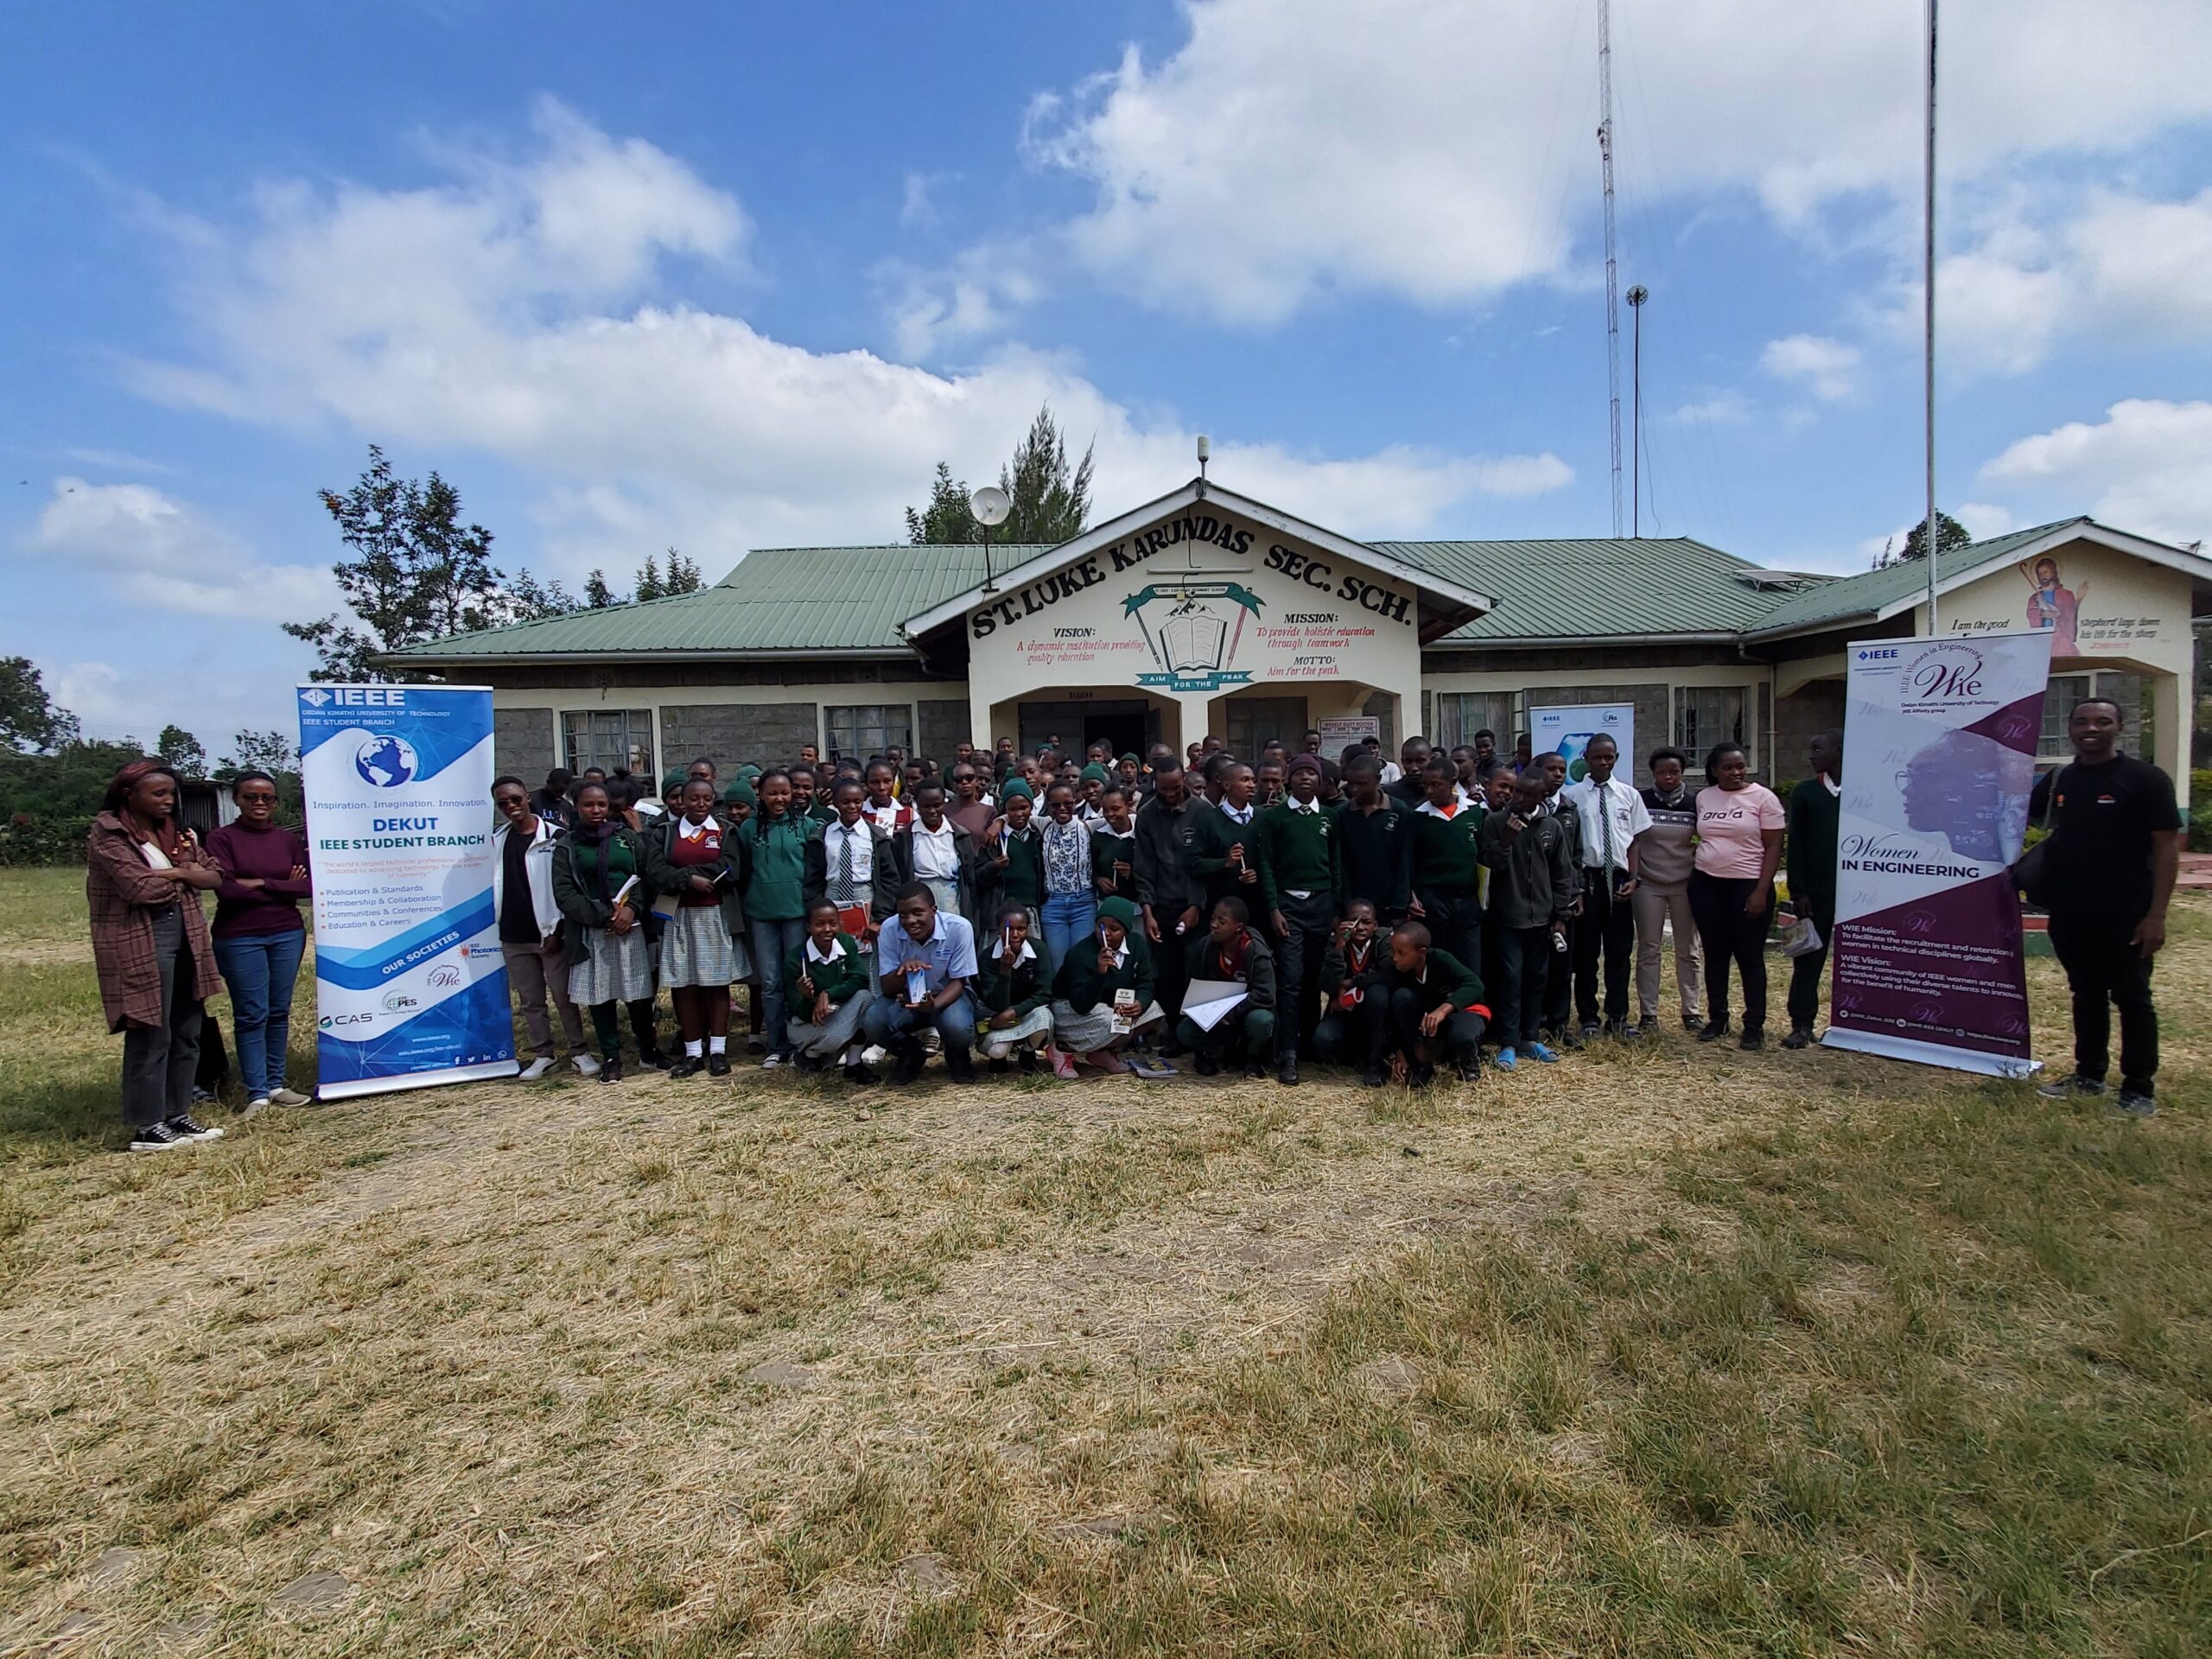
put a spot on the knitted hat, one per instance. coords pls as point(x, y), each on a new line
point(739, 793)
point(1312, 760)
point(1015, 786)
point(1095, 774)
point(1122, 911)
point(672, 781)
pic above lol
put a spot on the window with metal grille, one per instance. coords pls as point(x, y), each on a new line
point(1460, 715)
point(870, 729)
point(1253, 720)
point(1706, 715)
point(608, 738)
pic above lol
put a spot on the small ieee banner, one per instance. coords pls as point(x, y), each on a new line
point(1938, 762)
point(410, 987)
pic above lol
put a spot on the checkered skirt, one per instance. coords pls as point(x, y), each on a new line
point(612, 969)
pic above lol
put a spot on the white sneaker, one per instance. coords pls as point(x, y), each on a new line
point(536, 1069)
point(289, 1097)
point(770, 1061)
point(255, 1107)
point(875, 1054)
point(585, 1064)
point(931, 1043)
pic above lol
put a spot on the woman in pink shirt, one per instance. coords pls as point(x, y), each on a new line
point(1732, 887)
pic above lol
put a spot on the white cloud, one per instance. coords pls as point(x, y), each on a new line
point(2141, 468)
point(1828, 368)
point(918, 198)
point(426, 317)
point(158, 551)
point(1440, 151)
point(1722, 409)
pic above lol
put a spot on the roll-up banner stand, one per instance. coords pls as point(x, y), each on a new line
point(411, 987)
point(1938, 762)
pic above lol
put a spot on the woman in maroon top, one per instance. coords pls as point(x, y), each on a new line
point(260, 935)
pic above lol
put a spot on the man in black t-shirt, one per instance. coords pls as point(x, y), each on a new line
point(2114, 852)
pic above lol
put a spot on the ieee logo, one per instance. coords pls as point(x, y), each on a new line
point(316, 695)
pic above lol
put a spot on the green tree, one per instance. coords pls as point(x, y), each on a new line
point(946, 520)
point(1050, 499)
point(682, 575)
point(269, 752)
point(28, 718)
point(181, 750)
point(1949, 533)
point(597, 595)
point(525, 598)
point(1051, 503)
point(649, 584)
point(416, 572)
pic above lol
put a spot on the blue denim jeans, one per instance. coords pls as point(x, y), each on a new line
point(892, 1025)
point(259, 969)
point(771, 942)
point(1069, 918)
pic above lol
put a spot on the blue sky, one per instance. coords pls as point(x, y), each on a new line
point(725, 275)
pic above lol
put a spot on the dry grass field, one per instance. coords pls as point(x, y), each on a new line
point(1662, 1351)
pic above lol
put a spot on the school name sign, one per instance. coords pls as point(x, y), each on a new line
point(1195, 603)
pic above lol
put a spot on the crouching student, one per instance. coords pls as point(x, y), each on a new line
point(1231, 951)
point(1355, 984)
point(1437, 1011)
point(1533, 885)
point(927, 963)
point(831, 984)
point(1014, 1015)
point(690, 858)
point(1110, 971)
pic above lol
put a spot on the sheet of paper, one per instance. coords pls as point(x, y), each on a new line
point(1206, 1015)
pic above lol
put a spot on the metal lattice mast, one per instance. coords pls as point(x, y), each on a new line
point(1613, 286)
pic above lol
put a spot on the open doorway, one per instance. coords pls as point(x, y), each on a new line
point(1129, 725)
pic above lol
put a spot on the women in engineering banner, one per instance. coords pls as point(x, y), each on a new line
point(1940, 743)
point(411, 987)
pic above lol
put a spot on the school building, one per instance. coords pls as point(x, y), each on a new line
point(1208, 612)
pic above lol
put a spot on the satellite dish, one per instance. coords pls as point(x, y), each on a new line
point(990, 504)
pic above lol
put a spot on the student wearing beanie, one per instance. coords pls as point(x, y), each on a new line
point(1114, 964)
point(1090, 785)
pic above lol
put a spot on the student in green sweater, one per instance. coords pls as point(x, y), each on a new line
point(1448, 861)
point(1224, 849)
point(1113, 967)
point(1816, 815)
point(774, 846)
point(1302, 877)
point(828, 980)
point(1437, 1010)
point(1231, 949)
point(1010, 863)
point(1014, 1014)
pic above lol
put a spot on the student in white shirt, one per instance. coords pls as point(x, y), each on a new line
point(1610, 815)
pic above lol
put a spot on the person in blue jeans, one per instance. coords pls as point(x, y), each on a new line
point(259, 936)
point(1071, 907)
point(927, 963)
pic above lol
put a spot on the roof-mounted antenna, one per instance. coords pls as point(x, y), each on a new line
point(1205, 454)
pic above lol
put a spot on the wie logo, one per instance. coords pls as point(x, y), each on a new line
point(1188, 634)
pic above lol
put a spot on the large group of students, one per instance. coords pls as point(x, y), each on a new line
point(1055, 910)
point(1402, 920)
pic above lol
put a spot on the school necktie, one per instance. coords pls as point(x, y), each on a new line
point(1606, 833)
point(845, 863)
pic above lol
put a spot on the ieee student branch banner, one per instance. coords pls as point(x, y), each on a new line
point(1939, 760)
point(1567, 731)
point(411, 987)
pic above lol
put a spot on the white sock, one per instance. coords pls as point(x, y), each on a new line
point(691, 1047)
point(853, 1052)
point(717, 1045)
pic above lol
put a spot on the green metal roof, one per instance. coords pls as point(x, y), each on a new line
point(1871, 592)
point(1599, 586)
point(786, 598)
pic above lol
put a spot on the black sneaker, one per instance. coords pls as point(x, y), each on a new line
point(1799, 1037)
point(1373, 1077)
point(2135, 1103)
point(998, 1068)
point(2074, 1088)
point(610, 1069)
point(1692, 1024)
point(1026, 1060)
point(156, 1137)
point(185, 1125)
point(718, 1065)
point(1712, 1031)
point(910, 1065)
point(1420, 1074)
point(1589, 1029)
point(1286, 1071)
point(961, 1063)
point(1471, 1070)
point(682, 1068)
point(861, 1075)
point(653, 1060)
point(1647, 1026)
point(1205, 1064)
point(1255, 1070)
point(1753, 1039)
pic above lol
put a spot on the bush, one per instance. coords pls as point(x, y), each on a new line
point(25, 840)
point(2200, 811)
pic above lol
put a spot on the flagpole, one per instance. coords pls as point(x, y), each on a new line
point(1930, 540)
